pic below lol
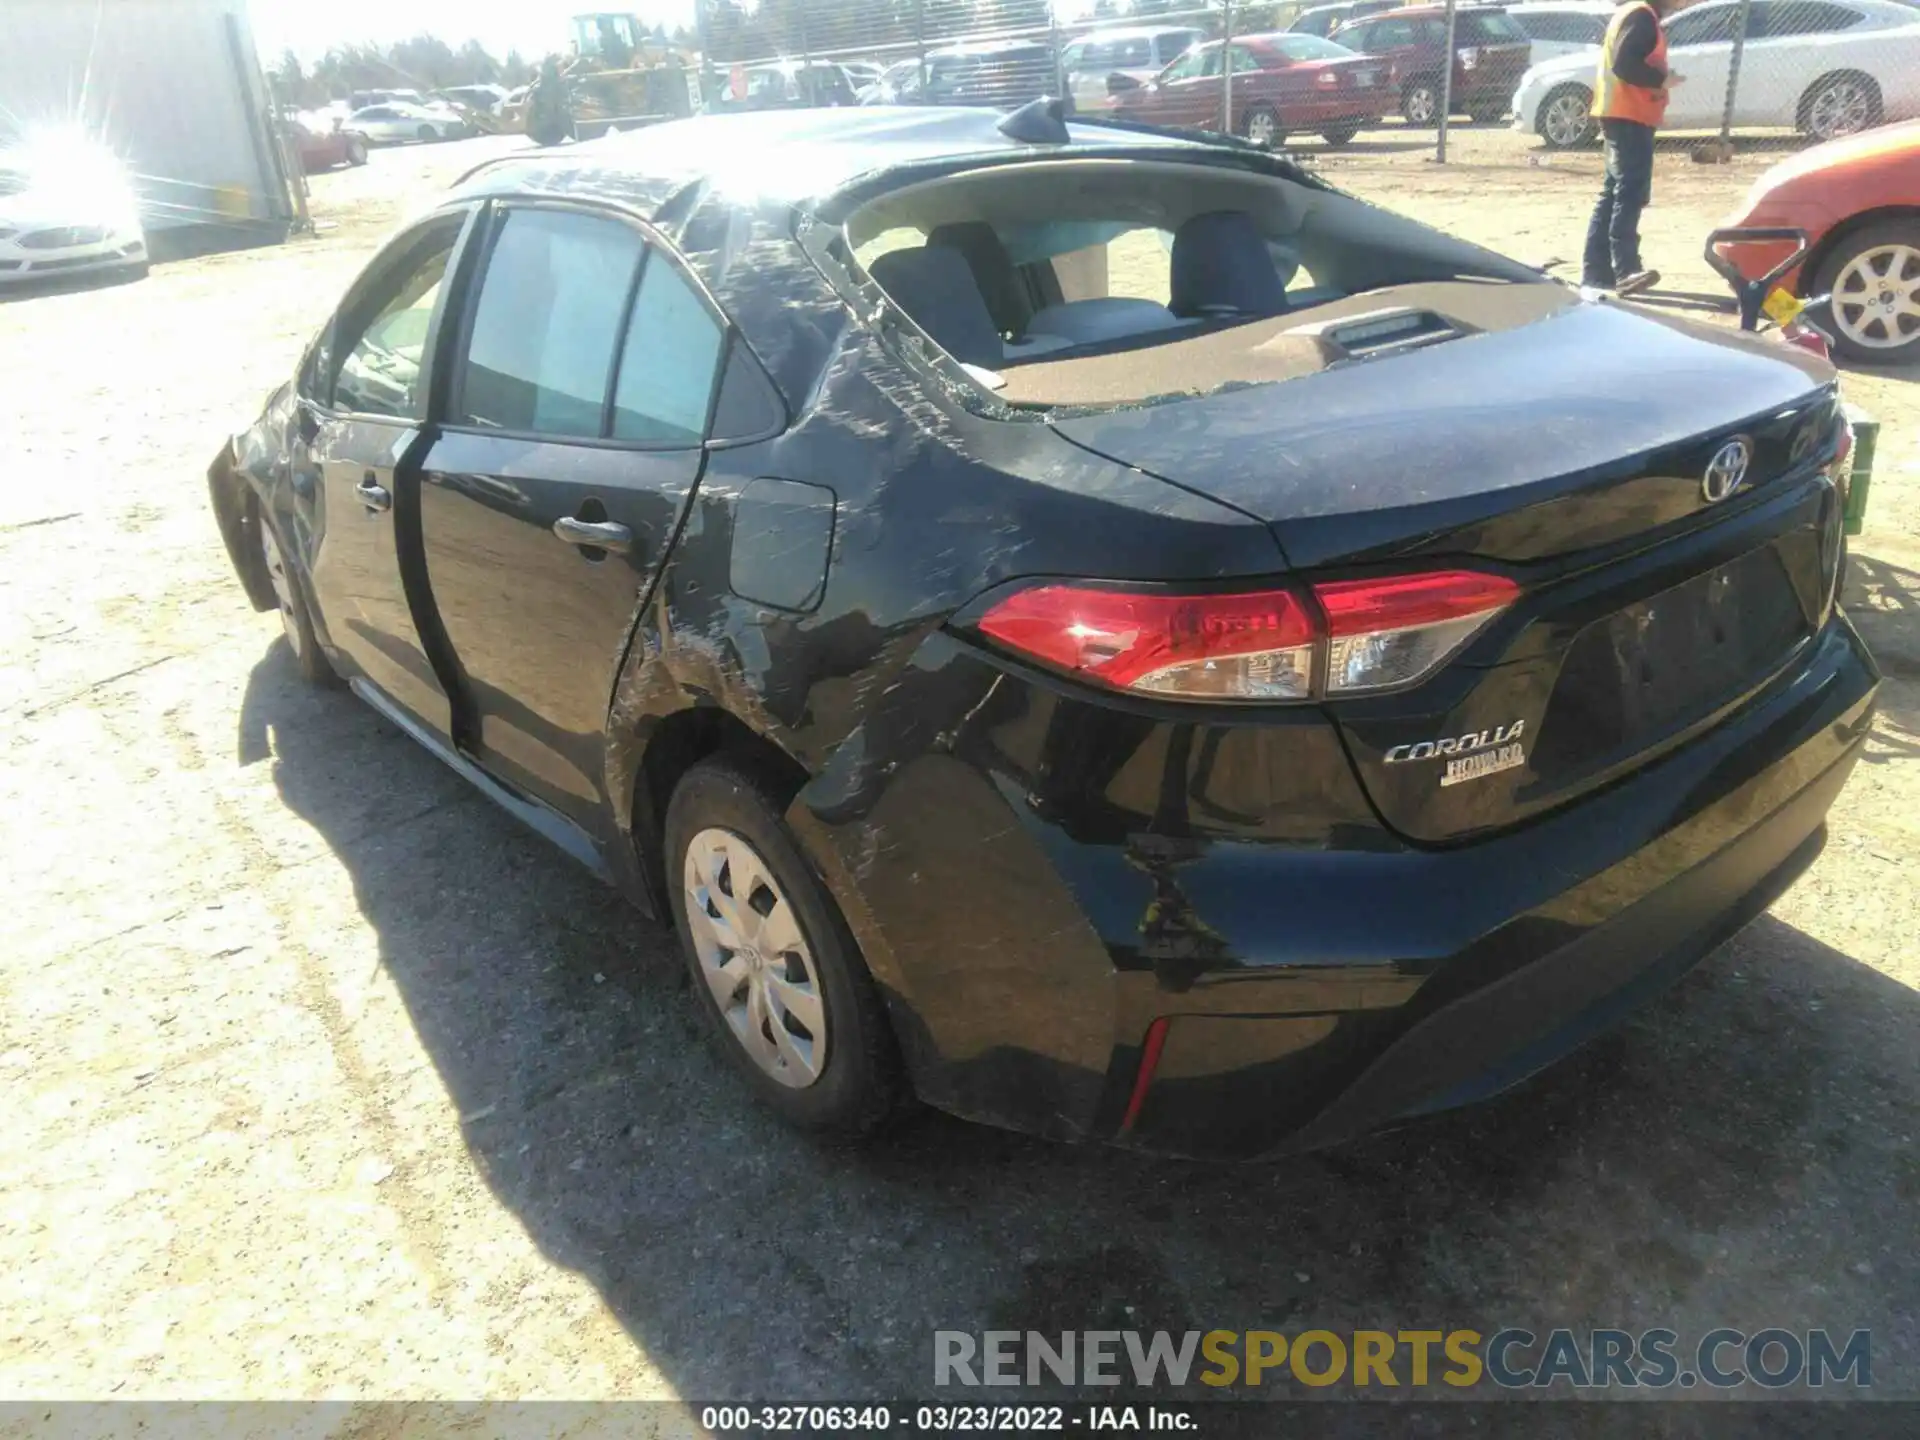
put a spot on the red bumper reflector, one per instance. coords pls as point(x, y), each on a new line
point(1149, 1062)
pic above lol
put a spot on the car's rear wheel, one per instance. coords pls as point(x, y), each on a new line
point(774, 967)
point(427, 132)
point(1874, 278)
point(1262, 126)
point(295, 619)
point(1840, 104)
point(356, 151)
point(1566, 118)
point(1338, 135)
point(1420, 101)
point(1487, 112)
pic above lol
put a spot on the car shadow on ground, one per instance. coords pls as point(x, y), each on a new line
point(1883, 600)
point(1739, 1154)
point(15, 291)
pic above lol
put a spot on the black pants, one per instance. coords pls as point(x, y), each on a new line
point(1613, 235)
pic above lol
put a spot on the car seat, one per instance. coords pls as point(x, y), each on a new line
point(1221, 266)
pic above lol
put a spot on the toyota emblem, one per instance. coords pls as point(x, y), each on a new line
point(1727, 471)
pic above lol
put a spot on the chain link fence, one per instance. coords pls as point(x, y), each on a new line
point(1302, 75)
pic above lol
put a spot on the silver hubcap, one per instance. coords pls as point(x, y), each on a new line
point(1260, 128)
point(1876, 300)
point(1840, 109)
point(1420, 105)
point(282, 584)
point(1566, 119)
point(755, 959)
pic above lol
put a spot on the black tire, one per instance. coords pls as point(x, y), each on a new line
point(1573, 100)
point(1487, 113)
point(427, 132)
point(1420, 102)
point(1262, 126)
point(1340, 135)
point(861, 1087)
point(296, 618)
point(1843, 103)
point(1837, 319)
point(356, 151)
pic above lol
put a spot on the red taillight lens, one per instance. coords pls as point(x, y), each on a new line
point(1198, 647)
point(1391, 632)
point(1262, 646)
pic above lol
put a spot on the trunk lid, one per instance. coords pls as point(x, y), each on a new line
point(1569, 453)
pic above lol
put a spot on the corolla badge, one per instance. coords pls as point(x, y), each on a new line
point(1727, 471)
point(1469, 757)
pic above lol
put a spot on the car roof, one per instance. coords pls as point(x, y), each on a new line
point(1135, 32)
point(1273, 38)
point(787, 155)
point(1426, 10)
point(991, 47)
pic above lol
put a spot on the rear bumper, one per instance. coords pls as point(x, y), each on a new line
point(1316, 977)
point(1491, 1038)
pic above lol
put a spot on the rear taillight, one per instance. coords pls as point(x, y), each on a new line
point(1469, 57)
point(1351, 637)
point(1387, 633)
point(1196, 647)
point(1328, 79)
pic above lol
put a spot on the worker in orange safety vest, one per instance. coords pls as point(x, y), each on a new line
point(1630, 101)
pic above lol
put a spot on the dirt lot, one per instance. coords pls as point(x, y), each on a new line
point(325, 1079)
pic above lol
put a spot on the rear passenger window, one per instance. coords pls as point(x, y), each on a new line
point(542, 349)
point(668, 362)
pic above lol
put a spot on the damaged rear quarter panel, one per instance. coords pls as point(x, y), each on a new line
point(935, 504)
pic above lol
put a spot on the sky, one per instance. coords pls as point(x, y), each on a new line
point(535, 27)
point(311, 27)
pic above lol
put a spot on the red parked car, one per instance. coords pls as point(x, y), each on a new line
point(1858, 199)
point(324, 149)
point(1490, 54)
point(1283, 83)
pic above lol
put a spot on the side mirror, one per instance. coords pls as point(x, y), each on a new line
point(1119, 83)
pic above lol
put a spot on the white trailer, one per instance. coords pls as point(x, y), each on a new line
point(174, 87)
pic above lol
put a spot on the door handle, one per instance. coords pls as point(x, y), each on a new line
point(374, 495)
point(594, 534)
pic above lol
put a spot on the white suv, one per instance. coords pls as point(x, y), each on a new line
point(1139, 53)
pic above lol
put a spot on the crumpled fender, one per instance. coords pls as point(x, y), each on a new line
point(240, 482)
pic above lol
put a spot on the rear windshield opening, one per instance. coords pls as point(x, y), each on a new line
point(1113, 282)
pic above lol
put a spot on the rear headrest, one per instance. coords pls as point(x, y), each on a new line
point(935, 286)
point(993, 271)
point(1221, 262)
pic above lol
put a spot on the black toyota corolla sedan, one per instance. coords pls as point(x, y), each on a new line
point(1099, 631)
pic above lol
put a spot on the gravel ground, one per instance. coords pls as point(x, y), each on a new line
point(328, 1080)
